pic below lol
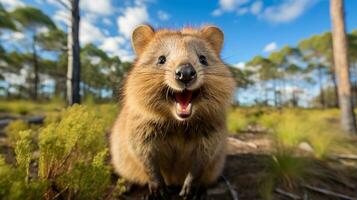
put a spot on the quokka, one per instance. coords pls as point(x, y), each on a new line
point(171, 130)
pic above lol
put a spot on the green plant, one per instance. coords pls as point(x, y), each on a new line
point(239, 119)
point(72, 159)
point(22, 109)
point(13, 184)
point(237, 122)
point(13, 129)
point(120, 187)
point(290, 129)
point(72, 154)
point(23, 151)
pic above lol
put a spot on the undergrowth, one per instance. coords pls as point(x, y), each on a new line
point(71, 156)
point(289, 129)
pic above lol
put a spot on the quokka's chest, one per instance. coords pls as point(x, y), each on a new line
point(176, 150)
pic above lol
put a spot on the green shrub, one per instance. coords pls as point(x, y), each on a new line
point(22, 109)
point(283, 168)
point(13, 129)
point(13, 184)
point(7, 175)
point(23, 151)
point(290, 130)
point(72, 153)
point(325, 137)
point(72, 159)
point(286, 167)
point(120, 187)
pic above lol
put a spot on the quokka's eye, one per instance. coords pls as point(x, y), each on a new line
point(203, 60)
point(161, 60)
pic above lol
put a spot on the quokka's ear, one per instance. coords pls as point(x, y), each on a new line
point(141, 37)
point(213, 35)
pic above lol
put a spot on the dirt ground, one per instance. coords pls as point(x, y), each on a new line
point(245, 171)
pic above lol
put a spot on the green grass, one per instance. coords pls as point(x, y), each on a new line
point(71, 147)
point(288, 128)
point(22, 107)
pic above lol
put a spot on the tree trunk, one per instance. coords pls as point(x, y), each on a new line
point(36, 70)
point(73, 71)
point(283, 92)
point(334, 81)
point(355, 83)
point(341, 66)
point(70, 65)
point(322, 95)
point(59, 86)
point(275, 94)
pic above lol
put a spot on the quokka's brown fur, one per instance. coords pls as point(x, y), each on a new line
point(149, 143)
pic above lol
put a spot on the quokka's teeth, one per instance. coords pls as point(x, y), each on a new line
point(183, 110)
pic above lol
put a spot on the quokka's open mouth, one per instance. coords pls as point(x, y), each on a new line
point(183, 103)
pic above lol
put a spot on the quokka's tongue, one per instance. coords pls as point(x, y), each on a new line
point(183, 103)
point(184, 97)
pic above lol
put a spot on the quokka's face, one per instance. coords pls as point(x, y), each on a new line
point(179, 73)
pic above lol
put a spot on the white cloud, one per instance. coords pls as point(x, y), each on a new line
point(163, 16)
point(239, 65)
point(89, 32)
point(282, 11)
point(142, 2)
point(99, 7)
point(13, 36)
point(111, 44)
point(12, 4)
point(217, 12)
point(256, 7)
point(242, 11)
point(107, 21)
point(61, 16)
point(43, 30)
point(229, 6)
point(287, 11)
point(132, 17)
point(270, 47)
point(17, 79)
point(115, 46)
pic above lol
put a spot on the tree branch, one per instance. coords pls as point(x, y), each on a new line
point(63, 3)
point(287, 194)
point(231, 189)
point(329, 193)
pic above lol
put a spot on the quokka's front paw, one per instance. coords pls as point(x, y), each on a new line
point(157, 191)
point(188, 192)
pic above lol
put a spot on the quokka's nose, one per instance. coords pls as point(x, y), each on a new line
point(185, 73)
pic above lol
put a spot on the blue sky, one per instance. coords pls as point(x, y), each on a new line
point(251, 27)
